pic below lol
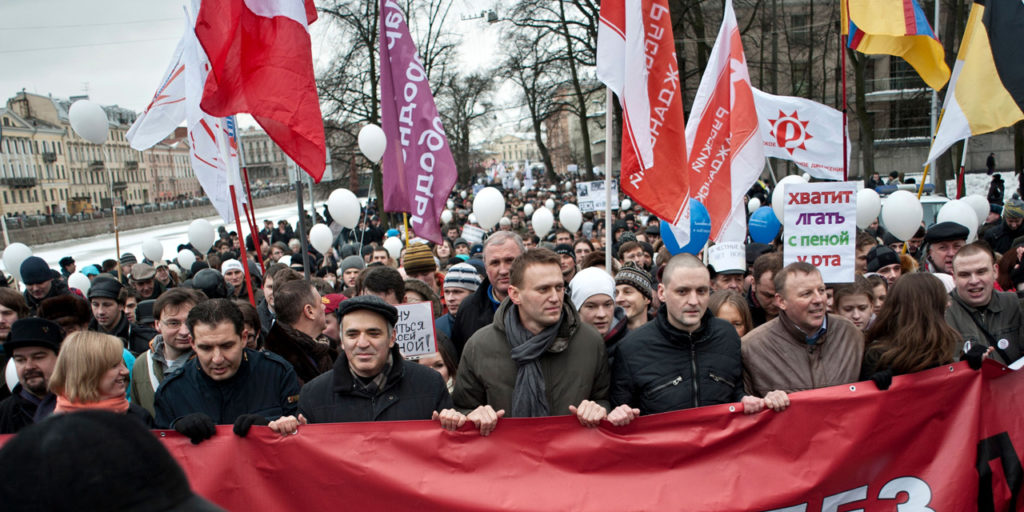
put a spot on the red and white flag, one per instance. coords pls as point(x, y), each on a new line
point(166, 110)
point(803, 131)
point(726, 155)
point(261, 63)
point(636, 59)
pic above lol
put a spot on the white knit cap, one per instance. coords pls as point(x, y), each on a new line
point(231, 264)
point(589, 282)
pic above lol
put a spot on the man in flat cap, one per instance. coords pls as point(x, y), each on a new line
point(942, 241)
point(371, 381)
point(143, 279)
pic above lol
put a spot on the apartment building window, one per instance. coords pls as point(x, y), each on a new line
point(5, 192)
point(799, 79)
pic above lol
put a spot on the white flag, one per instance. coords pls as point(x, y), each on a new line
point(166, 111)
point(806, 132)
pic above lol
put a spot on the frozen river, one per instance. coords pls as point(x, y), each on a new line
point(97, 248)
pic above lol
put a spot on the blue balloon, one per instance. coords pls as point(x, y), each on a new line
point(700, 230)
point(763, 225)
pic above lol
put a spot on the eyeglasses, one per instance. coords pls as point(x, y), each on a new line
point(171, 324)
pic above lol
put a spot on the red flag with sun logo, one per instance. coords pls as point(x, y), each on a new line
point(804, 131)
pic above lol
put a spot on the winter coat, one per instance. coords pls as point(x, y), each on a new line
point(141, 390)
point(307, 356)
point(265, 384)
point(475, 312)
point(411, 392)
point(1001, 318)
point(777, 356)
point(659, 368)
point(58, 287)
point(135, 337)
point(1000, 237)
point(16, 412)
point(575, 367)
point(266, 315)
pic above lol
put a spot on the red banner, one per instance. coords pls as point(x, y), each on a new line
point(928, 443)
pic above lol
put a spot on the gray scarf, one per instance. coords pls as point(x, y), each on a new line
point(529, 399)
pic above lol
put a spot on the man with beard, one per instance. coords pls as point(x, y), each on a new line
point(107, 298)
point(33, 344)
point(12, 307)
point(169, 350)
point(41, 282)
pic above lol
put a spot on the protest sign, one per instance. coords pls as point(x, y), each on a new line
point(821, 228)
point(727, 256)
point(591, 197)
point(414, 331)
point(473, 234)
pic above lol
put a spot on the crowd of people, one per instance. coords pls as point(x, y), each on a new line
point(525, 325)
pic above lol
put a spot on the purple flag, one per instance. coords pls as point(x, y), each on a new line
point(417, 167)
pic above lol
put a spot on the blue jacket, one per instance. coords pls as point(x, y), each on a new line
point(265, 384)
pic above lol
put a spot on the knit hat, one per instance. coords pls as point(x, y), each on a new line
point(1013, 209)
point(142, 272)
point(462, 275)
point(637, 278)
point(419, 259)
point(34, 332)
point(67, 260)
point(91, 270)
point(104, 288)
point(589, 282)
point(230, 265)
point(128, 259)
point(369, 303)
point(351, 262)
point(565, 249)
point(880, 257)
point(34, 270)
point(132, 467)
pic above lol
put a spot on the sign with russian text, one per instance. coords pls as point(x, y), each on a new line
point(591, 196)
point(946, 439)
point(473, 234)
point(820, 228)
point(414, 332)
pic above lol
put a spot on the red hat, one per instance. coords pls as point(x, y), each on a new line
point(332, 301)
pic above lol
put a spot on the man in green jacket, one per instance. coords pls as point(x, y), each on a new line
point(978, 312)
point(536, 359)
point(169, 349)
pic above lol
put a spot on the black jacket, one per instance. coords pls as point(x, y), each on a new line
point(475, 313)
point(265, 384)
point(411, 392)
point(655, 365)
point(266, 315)
point(16, 412)
point(1000, 237)
point(135, 337)
point(307, 356)
point(58, 287)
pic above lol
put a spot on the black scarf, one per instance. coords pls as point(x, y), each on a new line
point(529, 398)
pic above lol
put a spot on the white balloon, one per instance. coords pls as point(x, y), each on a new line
point(153, 250)
point(980, 205)
point(320, 237)
point(553, 188)
point(568, 185)
point(627, 204)
point(344, 207)
point(549, 203)
point(450, 204)
point(14, 255)
point(472, 218)
point(753, 205)
point(462, 194)
point(962, 213)
point(394, 247)
point(528, 209)
point(89, 121)
point(902, 214)
point(488, 205)
point(286, 260)
point(868, 206)
point(446, 216)
point(524, 190)
point(372, 142)
point(185, 259)
point(542, 220)
point(80, 281)
point(201, 235)
point(516, 183)
point(11, 374)
point(806, 177)
point(570, 217)
point(778, 197)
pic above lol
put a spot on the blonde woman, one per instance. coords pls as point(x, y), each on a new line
point(91, 374)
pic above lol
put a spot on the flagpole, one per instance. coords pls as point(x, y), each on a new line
point(842, 57)
point(366, 209)
point(935, 95)
point(960, 185)
point(117, 237)
point(245, 257)
point(302, 223)
point(225, 157)
point(248, 193)
point(608, 134)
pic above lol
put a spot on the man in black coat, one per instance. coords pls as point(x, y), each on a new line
point(106, 298)
point(685, 357)
point(372, 381)
point(33, 344)
point(477, 310)
point(225, 382)
point(1001, 236)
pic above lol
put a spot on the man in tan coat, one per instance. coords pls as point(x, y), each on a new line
point(804, 347)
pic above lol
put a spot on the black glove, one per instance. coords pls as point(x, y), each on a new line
point(196, 426)
point(975, 355)
point(244, 422)
point(882, 379)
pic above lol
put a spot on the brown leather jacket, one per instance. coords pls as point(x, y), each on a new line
point(777, 356)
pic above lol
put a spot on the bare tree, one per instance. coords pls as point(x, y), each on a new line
point(464, 102)
point(532, 65)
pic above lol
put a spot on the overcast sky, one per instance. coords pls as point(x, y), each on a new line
point(117, 50)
